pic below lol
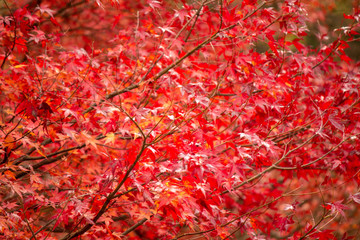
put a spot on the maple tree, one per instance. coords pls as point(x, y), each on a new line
point(177, 120)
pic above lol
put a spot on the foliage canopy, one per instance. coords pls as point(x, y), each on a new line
point(177, 120)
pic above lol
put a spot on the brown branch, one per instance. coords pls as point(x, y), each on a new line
point(43, 227)
point(8, 53)
point(196, 15)
point(68, 6)
point(52, 160)
point(235, 219)
point(318, 159)
point(40, 164)
point(313, 228)
point(109, 198)
point(26, 157)
point(132, 228)
point(273, 166)
point(205, 42)
point(110, 96)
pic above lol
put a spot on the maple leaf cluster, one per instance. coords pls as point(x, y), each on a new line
point(177, 120)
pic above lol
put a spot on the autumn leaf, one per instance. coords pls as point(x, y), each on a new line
point(179, 119)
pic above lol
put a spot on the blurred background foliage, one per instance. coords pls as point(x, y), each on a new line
point(325, 17)
point(331, 16)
